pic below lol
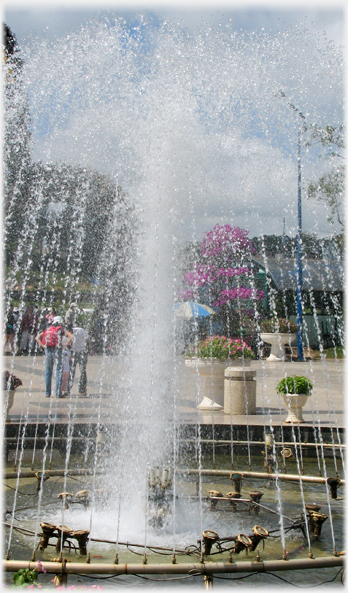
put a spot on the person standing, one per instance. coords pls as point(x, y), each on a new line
point(66, 368)
point(28, 329)
point(10, 329)
point(50, 316)
point(70, 316)
point(79, 349)
point(52, 341)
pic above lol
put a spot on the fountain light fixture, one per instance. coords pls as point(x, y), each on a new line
point(286, 453)
point(83, 497)
point(213, 494)
point(82, 538)
point(243, 542)
point(255, 496)
point(66, 496)
point(315, 521)
point(63, 533)
point(260, 533)
point(209, 538)
point(334, 483)
point(48, 531)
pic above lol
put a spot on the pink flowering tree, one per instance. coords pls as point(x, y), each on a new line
point(222, 275)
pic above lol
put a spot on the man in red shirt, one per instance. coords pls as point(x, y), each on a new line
point(51, 340)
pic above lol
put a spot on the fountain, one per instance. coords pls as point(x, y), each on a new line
point(144, 138)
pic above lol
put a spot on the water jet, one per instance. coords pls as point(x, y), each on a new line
point(165, 115)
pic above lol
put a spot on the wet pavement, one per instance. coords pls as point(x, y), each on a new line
point(106, 388)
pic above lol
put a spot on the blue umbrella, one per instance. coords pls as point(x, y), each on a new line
point(189, 310)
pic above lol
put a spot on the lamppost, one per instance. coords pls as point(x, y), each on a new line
point(299, 234)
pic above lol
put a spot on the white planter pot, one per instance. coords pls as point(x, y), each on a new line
point(278, 341)
point(211, 372)
point(8, 396)
point(294, 404)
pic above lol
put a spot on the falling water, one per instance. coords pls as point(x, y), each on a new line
point(191, 130)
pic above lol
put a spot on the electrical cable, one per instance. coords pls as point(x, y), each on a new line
point(190, 576)
point(87, 576)
point(281, 578)
point(22, 493)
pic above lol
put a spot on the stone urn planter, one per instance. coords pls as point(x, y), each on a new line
point(9, 386)
point(278, 342)
point(8, 398)
point(295, 390)
point(295, 403)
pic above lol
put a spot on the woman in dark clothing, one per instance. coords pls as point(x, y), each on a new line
point(10, 329)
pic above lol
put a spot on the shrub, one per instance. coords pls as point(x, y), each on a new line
point(10, 381)
point(295, 384)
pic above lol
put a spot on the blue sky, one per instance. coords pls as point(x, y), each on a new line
point(54, 19)
point(243, 171)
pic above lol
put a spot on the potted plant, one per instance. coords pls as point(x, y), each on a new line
point(278, 332)
point(295, 391)
point(9, 384)
point(211, 357)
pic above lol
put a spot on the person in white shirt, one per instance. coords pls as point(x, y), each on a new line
point(79, 355)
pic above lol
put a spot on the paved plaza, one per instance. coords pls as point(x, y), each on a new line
point(106, 390)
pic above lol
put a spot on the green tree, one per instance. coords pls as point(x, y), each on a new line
point(330, 187)
point(17, 137)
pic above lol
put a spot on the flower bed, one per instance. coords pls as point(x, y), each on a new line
point(274, 325)
point(221, 348)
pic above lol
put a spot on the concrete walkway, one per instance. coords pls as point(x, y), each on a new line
point(106, 389)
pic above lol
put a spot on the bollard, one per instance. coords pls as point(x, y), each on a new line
point(239, 391)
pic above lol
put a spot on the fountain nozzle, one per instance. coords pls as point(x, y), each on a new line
point(41, 477)
point(316, 520)
point(334, 483)
point(237, 480)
